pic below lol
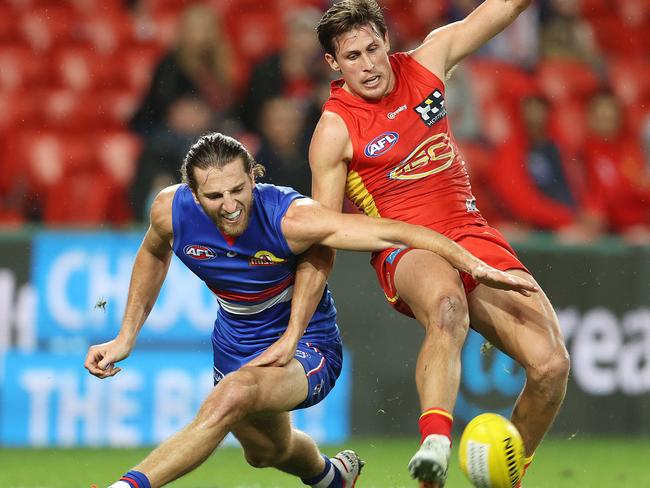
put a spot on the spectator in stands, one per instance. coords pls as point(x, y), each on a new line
point(618, 176)
point(518, 44)
point(187, 118)
point(566, 35)
point(199, 65)
point(284, 144)
point(462, 105)
point(293, 72)
point(532, 183)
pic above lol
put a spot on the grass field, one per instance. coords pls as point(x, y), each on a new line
point(575, 463)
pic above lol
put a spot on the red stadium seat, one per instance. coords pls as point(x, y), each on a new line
point(87, 200)
point(81, 68)
point(618, 39)
point(118, 154)
point(107, 32)
point(493, 80)
point(21, 68)
point(98, 7)
point(43, 28)
point(20, 110)
point(596, 8)
point(8, 30)
point(255, 29)
point(630, 80)
point(137, 63)
point(565, 81)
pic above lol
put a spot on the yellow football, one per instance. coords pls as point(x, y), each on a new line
point(492, 452)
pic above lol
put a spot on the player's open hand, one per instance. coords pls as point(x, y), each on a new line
point(504, 281)
point(278, 354)
point(101, 358)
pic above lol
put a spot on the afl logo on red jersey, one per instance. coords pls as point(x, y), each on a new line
point(381, 144)
point(202, 253)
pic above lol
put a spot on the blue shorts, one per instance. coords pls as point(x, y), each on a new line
point(322, 363)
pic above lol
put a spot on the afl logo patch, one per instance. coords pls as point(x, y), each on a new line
point(202, 253)
point(381, 144)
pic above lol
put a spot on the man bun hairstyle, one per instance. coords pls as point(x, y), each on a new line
point(215, 150)
point(345, 16)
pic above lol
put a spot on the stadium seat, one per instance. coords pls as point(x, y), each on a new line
point(618, 39)
point(21, 68)
point(63, 109)
point(8, 31)
point(107, 32)
point(43, 28)
point(596, 8)
point(256, 34)
point(565, 81)
point(80, 67)
point(492, 80)
point(87, 200)
point(118, 154)
point(137, 63)
point(20, 110)
point(630, 80)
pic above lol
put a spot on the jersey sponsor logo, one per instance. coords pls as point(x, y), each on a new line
point(231, 254)
point(265, 258)
point(381, 144)
point(432, 108)
point(392, 115)
point(202, 253)
point(470, 203)
point(434, 155)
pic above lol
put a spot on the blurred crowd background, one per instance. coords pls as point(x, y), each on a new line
point(101, 99)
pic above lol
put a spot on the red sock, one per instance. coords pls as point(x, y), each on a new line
point(435, 421)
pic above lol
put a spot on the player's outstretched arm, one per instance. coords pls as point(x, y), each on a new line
point(149, 271)
point(307, 222)
point(448, 45)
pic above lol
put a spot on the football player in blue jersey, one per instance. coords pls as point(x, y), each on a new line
point(276, 347)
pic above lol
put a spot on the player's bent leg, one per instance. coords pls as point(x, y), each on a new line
point(241, 393)
point(434, 292)
point(527, 329)
point(269, 440)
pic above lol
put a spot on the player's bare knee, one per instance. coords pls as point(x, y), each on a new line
point(550, 376)
point(449, 317)
point(231, 400)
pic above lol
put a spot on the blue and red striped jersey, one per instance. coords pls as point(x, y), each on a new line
point(251, 276)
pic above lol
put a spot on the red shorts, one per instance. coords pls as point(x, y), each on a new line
point(484, 242)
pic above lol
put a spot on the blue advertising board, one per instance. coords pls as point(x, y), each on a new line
point(50, 400)
point(74, 272)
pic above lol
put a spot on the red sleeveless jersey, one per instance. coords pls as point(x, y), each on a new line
point(406, 165)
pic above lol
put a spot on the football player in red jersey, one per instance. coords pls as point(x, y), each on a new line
point(384, 141)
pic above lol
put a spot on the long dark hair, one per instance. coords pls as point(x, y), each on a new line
point(215, 150)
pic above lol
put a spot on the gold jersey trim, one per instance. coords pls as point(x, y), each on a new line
point(358, 194)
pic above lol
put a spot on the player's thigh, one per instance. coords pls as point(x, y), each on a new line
point(277, 389)
point(525, 328)
point(423, 280)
